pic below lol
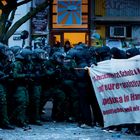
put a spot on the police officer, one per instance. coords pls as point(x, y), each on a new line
point(10, 88)
point(103, 53)
point(92, 56)
point(4, 120)
point(116, 53)
point(52, 86)
point(15, 49)
point(20, 96)
point(68, 86)
point(39, 72)
point(82, 61)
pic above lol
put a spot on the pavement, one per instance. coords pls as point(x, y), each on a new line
point(63, 131)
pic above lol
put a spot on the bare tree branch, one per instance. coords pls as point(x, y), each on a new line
point(10, 20)
point(23, 2)
point(12, 4)
point(3, 20)
point(25, 18)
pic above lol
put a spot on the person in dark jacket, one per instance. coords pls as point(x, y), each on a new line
point(103, 53)
point(117, 53)
point(132, 52)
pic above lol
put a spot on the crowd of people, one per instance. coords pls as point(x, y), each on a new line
point(31, 76)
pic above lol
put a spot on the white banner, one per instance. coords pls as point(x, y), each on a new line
point(117, 88)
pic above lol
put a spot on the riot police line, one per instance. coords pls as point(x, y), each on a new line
point(29, 78)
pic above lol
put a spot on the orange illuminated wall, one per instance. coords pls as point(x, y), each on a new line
point(84, 23)
point(74, 38)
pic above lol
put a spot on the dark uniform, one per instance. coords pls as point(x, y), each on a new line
point(52, 88)
point(82, 60)
point(118, 54)
point(20, 96)
point(35, 88)
point(103, 53)
point(68, 86)
point(10, 88)
point(4, 120)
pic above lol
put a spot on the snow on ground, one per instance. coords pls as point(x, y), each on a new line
point(62, 131)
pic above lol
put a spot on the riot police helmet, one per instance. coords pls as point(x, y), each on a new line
point(27, 54)
point(39, 54)
point(58, 57)
point(15, 49)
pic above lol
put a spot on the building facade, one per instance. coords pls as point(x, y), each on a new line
point(70, 21)
point(117, 21)
point(94, 22)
